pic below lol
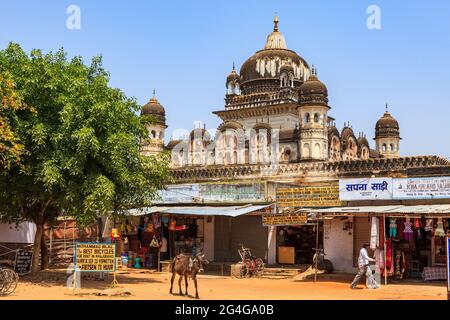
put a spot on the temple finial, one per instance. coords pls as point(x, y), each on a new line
point(234, 68)
point(387, 107)
point(154, 93)
point(275, 22)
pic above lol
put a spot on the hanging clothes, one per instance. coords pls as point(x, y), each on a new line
point(374, 233)
point(408, 232)
point(381, 232)
point(439, 232)
point(417, 223)
point(393, 228)
point(429, 225)
point(156, 219)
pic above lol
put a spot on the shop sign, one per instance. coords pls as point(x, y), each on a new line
point(365, 189)
point(311, 196)
point(422, 188)
point(95, 257)
point(204, 193)
point(274, 220)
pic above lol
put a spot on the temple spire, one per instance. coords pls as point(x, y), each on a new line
point(275, 22)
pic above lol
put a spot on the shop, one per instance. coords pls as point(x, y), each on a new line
point(149, 236)
point(407, 241)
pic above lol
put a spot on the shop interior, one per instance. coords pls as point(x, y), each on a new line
point(415, 244)
point(296, 243)
point(143, 242)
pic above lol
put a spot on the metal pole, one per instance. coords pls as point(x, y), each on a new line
point(385, 253)
point(317, 251)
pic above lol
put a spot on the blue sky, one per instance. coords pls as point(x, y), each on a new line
point(185, 49)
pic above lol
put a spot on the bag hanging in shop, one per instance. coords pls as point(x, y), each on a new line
point(154, 243)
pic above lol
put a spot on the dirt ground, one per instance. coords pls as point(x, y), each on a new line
point(154, 286)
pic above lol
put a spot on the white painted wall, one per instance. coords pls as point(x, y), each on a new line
point(24, 233)
point(209, 239)
point(338, 245)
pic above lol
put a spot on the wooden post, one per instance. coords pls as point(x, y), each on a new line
point(317, 251)
point(385, 254)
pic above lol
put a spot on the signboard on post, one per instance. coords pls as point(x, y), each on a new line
point(310, 196)
point(365, 189)
point(278, 220)
point(95, 257)
point(24, 260)
point(421, 188)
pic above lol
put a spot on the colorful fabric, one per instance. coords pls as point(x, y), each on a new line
point(439, 232)
point(374, 233)
point(429, 225)
point(408, 228)
point(434, 273)
point(393, 227)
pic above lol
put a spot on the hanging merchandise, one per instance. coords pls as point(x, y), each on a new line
point(172, 224)
point(429, 225)
point(417, 223)
point(165, 220)
point(400, 263)
point(374, 234)
point(408, 233)
point(181, 228)
point(154, 243)
point(393, 227)
point(156, 220)
point(149, 228)
point(439, 232)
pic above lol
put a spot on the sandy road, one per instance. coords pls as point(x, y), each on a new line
point(145, 286)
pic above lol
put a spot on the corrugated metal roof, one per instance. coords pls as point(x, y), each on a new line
point(199, 211)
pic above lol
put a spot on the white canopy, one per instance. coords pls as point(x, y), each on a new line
point(233, 211)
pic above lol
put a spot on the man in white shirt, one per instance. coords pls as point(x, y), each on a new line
point(364, 269)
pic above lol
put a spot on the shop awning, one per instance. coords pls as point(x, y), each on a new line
point(419, 209)
point(234, 211)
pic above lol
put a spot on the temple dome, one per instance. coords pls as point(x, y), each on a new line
point(155, 109)
point(387, 126)
point(267, 63)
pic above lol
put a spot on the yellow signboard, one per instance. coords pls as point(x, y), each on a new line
point(95, 257)
point(314, 196)
point(284, 219)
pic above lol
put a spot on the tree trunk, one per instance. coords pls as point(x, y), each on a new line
point(44, 252)
point(37, 242)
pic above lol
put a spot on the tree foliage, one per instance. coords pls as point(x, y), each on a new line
point(82, 143)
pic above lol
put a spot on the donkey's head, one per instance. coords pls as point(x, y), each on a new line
point(199, 260)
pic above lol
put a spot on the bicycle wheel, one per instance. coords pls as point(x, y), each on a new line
point(10, 280)
point(259, 267)
point(248, 267)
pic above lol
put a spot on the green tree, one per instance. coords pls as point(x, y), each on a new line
point(10, 147)
point(82, 145)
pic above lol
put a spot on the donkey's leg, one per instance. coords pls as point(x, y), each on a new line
point(171, 282)
point(179, 284)
point(186, 283)
point(196, 290)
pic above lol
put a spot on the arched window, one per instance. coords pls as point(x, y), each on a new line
point(392, 147)
point(316, 153)
point(306, 152)
point(153, 134)
point(384, 148)
point(316, 117)
point(307, 118)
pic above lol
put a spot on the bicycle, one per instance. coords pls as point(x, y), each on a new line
point(251, 265)
point(8, 281)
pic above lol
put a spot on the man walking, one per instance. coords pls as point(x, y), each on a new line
point(364, 269)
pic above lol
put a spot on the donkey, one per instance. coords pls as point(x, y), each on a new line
point(187, 266)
